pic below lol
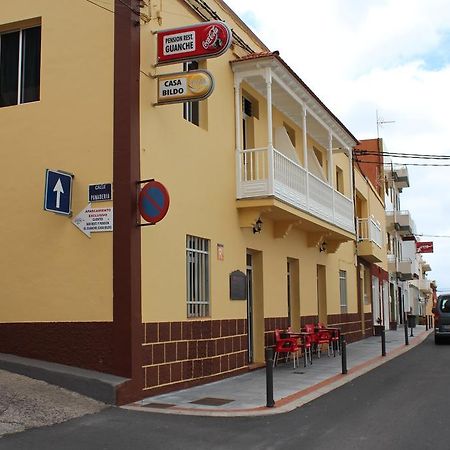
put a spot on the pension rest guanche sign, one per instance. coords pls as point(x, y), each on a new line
point(193, 42)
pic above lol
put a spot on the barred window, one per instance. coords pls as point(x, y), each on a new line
point(197, 276)
point(191, 110)
point(343, 290)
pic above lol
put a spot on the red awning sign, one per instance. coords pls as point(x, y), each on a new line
point(200, 41)
point(424, 247)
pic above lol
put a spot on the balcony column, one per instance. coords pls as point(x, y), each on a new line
point(238, 125)
point(305, 152)
point(350, 171)
point(268, 77)
point(330, 169)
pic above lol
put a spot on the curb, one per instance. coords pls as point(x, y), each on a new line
point(298, 399)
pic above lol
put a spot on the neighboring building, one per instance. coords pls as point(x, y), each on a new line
point(373, 278)
point(423, 289)
point(401, 230)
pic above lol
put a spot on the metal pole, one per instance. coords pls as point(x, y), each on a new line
point(270, 403)
point(426, 322)
point(405, 325)
point(344, 354)
point(383, 342)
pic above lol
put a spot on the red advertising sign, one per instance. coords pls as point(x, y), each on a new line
point(203, 40)
point(424, 247)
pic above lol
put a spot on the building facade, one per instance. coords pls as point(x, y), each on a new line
point(260, 233)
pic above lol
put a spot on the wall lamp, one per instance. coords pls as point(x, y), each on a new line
point(323, 247)
point(257, 226)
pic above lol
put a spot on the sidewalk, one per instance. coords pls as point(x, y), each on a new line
point(245, 395)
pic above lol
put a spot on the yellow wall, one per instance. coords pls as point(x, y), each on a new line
point(53, 271)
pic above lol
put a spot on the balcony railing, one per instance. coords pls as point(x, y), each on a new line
point(261, 173)
point(370, 230)
point(401, 221)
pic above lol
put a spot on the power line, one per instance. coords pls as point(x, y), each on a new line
point(404, 164)
point(100, 6)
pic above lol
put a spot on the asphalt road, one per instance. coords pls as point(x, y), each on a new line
point(403, 404)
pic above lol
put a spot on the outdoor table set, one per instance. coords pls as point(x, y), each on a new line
point(310, 340)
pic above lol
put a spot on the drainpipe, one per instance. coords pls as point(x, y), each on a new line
point(239, 156)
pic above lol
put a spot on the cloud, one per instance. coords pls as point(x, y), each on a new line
point(390, 56)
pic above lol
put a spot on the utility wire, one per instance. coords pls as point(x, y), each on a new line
point(100, 6)
point(404, 164)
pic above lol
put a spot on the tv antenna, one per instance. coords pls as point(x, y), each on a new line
point(380, 122)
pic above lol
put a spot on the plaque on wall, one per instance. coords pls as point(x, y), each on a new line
point(238, 285)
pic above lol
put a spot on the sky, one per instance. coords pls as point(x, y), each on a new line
point(369, 57)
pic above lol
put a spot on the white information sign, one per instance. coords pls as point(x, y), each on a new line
point(94, 220)
point(179, 43)
point(174, 88)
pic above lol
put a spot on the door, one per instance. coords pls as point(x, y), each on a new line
point(250, 307)
point(376, 311)
point(293, 292)
point(322, 294)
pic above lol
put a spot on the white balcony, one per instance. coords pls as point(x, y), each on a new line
point(266, 172)
point(370, 230)
point(400, 221)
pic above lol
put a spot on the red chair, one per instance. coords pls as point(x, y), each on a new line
point(313, 336)
point(287, 346)
point(324, 336)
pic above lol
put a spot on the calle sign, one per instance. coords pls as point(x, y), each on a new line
point(184, 86)
point(199, 41)
point(424, 247)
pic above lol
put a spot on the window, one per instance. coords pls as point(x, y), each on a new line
point(343, 290)
point(319, 155)
point(197, 276)
point(191, 110)
point(250, 111)
point(339, 180)
point(290, 132)
point(20, 66)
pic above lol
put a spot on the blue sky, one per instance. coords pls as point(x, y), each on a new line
point(390, 56)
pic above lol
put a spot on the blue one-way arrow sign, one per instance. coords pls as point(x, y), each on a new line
point(58, 192)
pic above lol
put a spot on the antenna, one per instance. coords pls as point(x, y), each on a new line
point(381, 121)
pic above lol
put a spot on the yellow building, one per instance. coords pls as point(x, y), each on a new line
point(260, 233)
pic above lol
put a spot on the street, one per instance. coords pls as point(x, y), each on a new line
point(401, 404)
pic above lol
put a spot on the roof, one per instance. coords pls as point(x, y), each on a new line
point(275, 55)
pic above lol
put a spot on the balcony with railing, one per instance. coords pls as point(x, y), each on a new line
point(370, 239)
point(400, 221)
point(266, 172)
point(279, 179)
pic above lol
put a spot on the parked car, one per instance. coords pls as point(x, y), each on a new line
point(442, 318)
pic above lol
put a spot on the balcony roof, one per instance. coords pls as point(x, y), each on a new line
point(289, 91)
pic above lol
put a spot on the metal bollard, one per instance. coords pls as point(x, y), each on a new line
point(270, 403)
point(405, 323)
point(344, 354)
point(426, 323)
point(383, 342)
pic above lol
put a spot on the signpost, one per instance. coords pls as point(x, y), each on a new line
point(184, 86)
point(100, 192)
point(58, 192)
point(153, 202)
point(94, 220)
point(424, 247)
point(199, 41)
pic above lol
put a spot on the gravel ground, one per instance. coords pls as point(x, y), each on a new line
point(28, 403)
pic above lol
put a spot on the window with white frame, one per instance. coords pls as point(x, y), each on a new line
point(20, 66)
point(343, 290)
point(197, 276)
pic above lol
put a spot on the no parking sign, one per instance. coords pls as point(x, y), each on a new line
point(153, 201)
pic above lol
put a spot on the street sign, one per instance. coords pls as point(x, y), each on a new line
point(94, 220)
point(100, 192)
point(58, 192)
point(184, 86)
point(424, 247)
point(153, 201)
point(199, 41)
